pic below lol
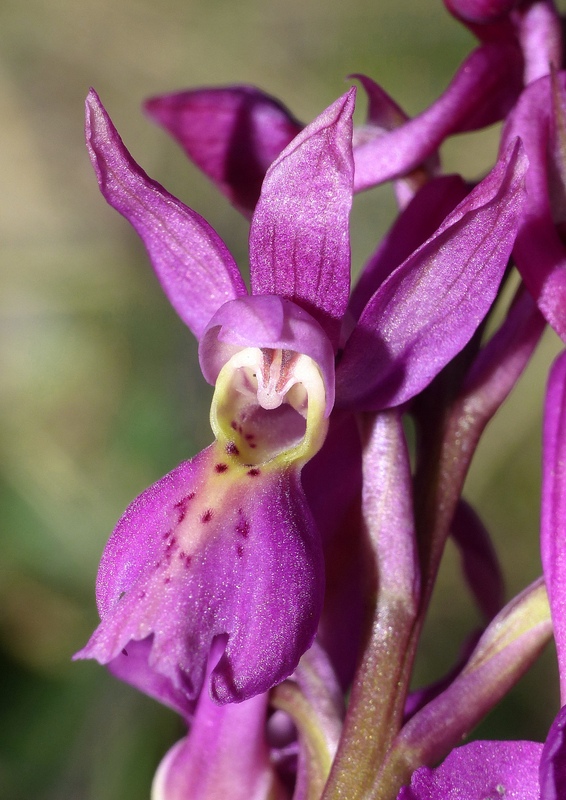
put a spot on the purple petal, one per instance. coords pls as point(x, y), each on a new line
point(225, 755)
point(437, 198)
point(265, 321)
point(553, 515)
point(214, 549)
point(299, 238)
point(385, 115)
point(482, 92)
point(553, 761)
point(486, 770)
point(431, 305)
point(539, 252)
point(197, 272)
point(479, 559)
point(540, 34)
point(231, 133)
point(480, 11)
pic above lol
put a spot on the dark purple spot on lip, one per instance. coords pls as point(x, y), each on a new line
point(124, 652)
point(181, 505)
point(141, 595)
point(221, 467)
point(249, 436)
point(253, 445)
point(253, 473)
point(240, 551)
point(232, 450)
point(167, 580)
point(243, 528)
point(188, 560)
point(207, 516)
point(182, 555)
point(171, 543)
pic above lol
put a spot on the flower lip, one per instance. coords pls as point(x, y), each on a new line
point(266, 322)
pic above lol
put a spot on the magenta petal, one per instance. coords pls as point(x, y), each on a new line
point(553, 515)
point(225, 755)
point(299, 238)
point(553, 761)
point(192, 263)
point(212, 550)
point(431, 305)
point(539, 252)
point(133, 665)
point(419, 220)
point(480, 770)
point(231, 133)
point(482, 92)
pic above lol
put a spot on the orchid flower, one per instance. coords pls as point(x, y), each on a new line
point(224, 549)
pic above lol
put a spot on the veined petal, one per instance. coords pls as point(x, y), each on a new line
point(553, 514)
point(214, 549)
point(431, 305)
point(486, 770)
point(481, 93)
point(231, 133)
point(197, 272)
point(299, 238)
point(417, 223)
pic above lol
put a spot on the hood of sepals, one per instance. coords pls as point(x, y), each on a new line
point(214, 549)
point(273, 370)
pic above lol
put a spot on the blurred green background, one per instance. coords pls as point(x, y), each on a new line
point(100, 391)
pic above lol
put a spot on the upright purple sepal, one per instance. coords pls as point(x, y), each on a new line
point(231, 133)
point(480, 771)
point(553, 510)
point(299, 238)
point(197, 272)
point(431, 305)
point(213, 551)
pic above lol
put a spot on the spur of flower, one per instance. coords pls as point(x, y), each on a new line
point(223, 551)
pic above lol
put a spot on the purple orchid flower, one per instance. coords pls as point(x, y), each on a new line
point(523, 770)
point(224, 548)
